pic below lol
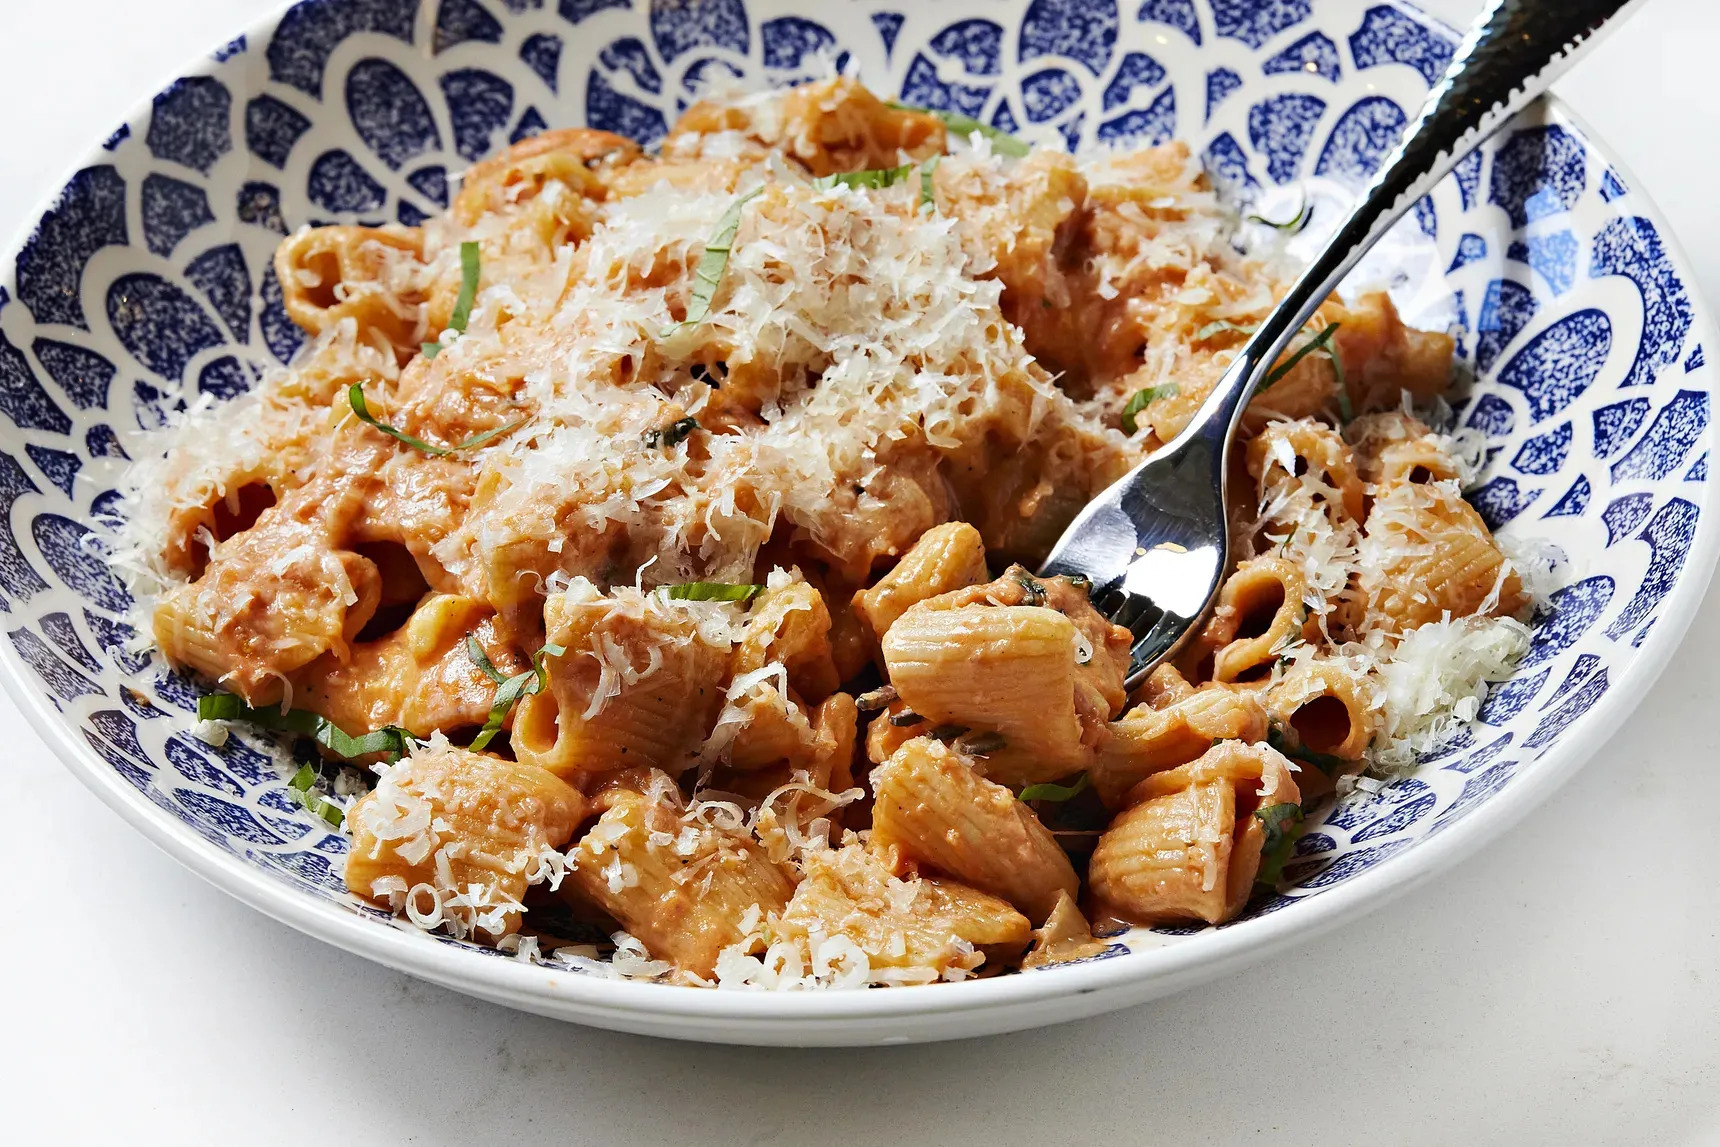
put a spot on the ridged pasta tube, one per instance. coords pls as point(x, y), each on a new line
point(912, 931)
point(1324, 706)
point(929, 801)
point(679, 886)
point(1394, 448)
point(419, 677)
point(789, 625)
point(1284, 451)
point(1150, 740)
point(1005, 669)
point(1188, 847)
point(637, 687)
point(272, 600)
point(1260, 611)
point(445, 820)
point(946, 558)
point(367, 274)
point(1027, 658)
point(1426, 553)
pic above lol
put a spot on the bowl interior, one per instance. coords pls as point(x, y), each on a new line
point(147, 282)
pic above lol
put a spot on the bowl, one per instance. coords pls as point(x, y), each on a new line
point(147, 281)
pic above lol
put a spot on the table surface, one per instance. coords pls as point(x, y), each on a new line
point(1559, 985)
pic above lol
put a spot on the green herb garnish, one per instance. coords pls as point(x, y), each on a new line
point(673, 434)
point(1318, 342)
point(508, 694)
point(928, 191)
point(462, 313)
point(713, 263)
point(1296, 222)
point(1325, 762)
point(302, 790)
point(905, 718)
point(713, 591)
point(1281, 822)
point(478, 657)
point(964, 125)
point(355, 398)
point(1220, 326)
point(876, 178)
point(946, 732)
point(1138, 402)
point(1345, 411)
point(1055, 792)
point(1034, 587)
point(468, 287)
point(390, 739)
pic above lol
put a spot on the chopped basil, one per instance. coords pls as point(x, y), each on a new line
point(468, 287)
point(1281, 822)
point(878, 177)
point(905, 718)
point(1055, 792)
point(947, 732)
point(1318, 342)
point(533, 680)
point(482, 659)
point(673, 434)
point(1345, 411)
point(302, 788)
point(1325, 762)
point(713, 591)
point(355, 398)
point(462, 313)
point(1222, 326)
point(928, 191)
point(715, 261)
point(1295, 223)
point(1138, 402)
point(1321, 342)
point(391, 739)
point(963, 125)
point(1034, 587)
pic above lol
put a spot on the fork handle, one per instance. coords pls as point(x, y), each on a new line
point(1511, 56)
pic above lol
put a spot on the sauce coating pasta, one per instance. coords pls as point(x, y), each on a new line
point(674, 514)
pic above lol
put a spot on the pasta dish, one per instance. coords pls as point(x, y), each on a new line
point(643, 548)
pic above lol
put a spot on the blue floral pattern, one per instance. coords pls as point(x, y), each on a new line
point(149, 281)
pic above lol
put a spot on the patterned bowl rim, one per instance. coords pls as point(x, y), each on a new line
point(705, 1014)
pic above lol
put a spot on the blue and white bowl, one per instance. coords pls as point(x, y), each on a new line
point(148, 281)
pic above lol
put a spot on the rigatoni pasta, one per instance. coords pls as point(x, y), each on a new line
point(658, 531)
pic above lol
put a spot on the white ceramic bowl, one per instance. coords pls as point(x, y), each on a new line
point(147, 281)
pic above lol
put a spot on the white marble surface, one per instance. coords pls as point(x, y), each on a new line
point(1561, 986)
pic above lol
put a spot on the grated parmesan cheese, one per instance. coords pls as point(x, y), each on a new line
point(1436, 680)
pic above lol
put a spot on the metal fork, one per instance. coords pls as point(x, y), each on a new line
point(1155, 546)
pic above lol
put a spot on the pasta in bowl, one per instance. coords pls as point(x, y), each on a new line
point(540, 451)
point(655, 532)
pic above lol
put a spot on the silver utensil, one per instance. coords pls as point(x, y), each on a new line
point(1155, 545)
